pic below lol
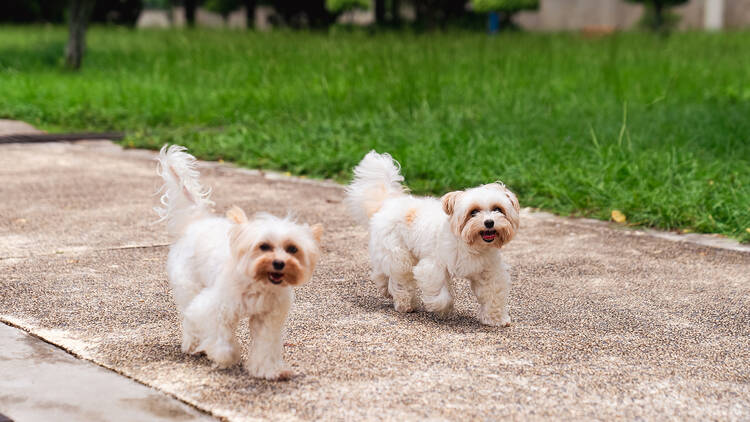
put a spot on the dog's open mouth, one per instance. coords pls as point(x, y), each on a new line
point(488, 235)
point(276, 278)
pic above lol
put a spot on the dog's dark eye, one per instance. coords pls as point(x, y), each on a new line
point(291, 249)
point(474, 212)
point(265, 247)
point(498, 209)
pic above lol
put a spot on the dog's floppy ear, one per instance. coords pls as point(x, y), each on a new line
point(513, 199)
point(236, 215)
point(511, 196)
point(317, 232)
point(449, 201)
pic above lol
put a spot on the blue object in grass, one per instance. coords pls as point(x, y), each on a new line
point(493, 23)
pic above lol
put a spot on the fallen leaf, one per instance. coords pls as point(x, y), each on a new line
point(618, 216)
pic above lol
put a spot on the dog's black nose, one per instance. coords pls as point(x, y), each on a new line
point(278, 265)
point(489, 223)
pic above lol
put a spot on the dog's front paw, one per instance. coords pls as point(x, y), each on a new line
point(502, 320)
point(224, 355)
point(441, 304)
point(384, 292)
point(403, 306)
point(443, 313)
point(189, 343)
point(269, 371)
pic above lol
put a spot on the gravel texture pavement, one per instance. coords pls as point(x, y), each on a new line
point(607, 322)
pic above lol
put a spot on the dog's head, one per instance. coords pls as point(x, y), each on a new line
point(484, 216)
point(273, 250)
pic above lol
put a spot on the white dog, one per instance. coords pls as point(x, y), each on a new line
point(425, 242)
point(221, 269)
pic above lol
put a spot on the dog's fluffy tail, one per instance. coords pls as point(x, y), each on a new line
point(376, 178)
point(184, 199)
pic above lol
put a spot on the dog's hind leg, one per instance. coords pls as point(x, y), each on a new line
point(433, 279)
point(392, 260)
point(402, 288)
point(213, 317)
point(189, 338)
point(381, 283)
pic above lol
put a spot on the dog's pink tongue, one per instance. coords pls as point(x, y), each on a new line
point(488, 236)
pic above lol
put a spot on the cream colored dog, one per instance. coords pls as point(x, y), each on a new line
point(223, 268)
point(425, 242)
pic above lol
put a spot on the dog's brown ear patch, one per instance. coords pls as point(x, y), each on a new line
point(235, 233)
point(317, 232)
point(236, 215)
point(449, 201)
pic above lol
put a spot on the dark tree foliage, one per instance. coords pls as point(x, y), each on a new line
point(250, 6)
point(387, 12)
point(506, 9)
point(28, 11)
point(304, 13)
point(190, 7)
point(439, 13)
point(379, 11)
point(121, 12)
point(55, 11)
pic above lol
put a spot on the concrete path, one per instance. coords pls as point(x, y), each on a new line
point(608, 323)
point(41, 382)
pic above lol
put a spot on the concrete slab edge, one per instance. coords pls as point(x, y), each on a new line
point(45, 336)
point(706, 240)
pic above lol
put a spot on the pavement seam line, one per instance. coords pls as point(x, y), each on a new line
point(28, 331)
point(113, 248)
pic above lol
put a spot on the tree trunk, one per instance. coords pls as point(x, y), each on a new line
point(250, 6)
point(379, 12)
point(396, 12)
point(658, 15)
point(79, 12)
point(420, 13)
point(190, 6)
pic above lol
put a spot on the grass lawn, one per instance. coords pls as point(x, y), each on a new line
point(658, 128)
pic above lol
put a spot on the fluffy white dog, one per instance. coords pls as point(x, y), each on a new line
point(425, 242)
point(221, 269)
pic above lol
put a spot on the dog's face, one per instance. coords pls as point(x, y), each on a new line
point(274, 250)
point(484, 216)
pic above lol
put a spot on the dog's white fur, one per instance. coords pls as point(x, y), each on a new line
point(222, 268)
point(423, 242)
